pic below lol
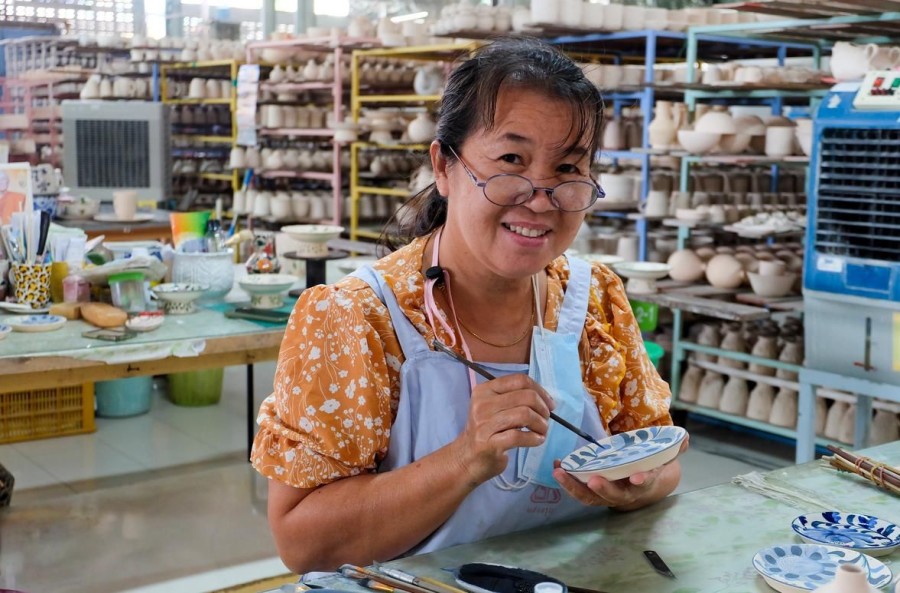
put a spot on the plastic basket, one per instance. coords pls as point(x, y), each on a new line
point(42, 413)
point(196, 388)
point(654, 351)
point(647, 314)
point(124, 397)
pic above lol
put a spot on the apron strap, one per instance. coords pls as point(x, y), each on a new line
point(575, 303)
point(411, 341)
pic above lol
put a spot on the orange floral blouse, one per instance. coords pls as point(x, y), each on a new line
point(337, 382)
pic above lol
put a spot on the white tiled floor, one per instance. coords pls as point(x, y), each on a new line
point(166, 501)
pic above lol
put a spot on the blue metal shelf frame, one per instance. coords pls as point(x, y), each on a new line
point(645, 98)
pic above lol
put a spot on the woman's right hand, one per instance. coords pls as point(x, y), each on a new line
point(498, 411)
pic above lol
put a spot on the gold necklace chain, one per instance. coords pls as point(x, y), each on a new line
point(489, 343)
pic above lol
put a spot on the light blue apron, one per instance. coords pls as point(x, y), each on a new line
point(434, 408)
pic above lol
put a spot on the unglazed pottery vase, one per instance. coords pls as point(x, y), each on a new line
point(690, 384)
point(836, 413)
point(711, 388)
point(735, 397)
point(733, 342)
point(759, 406)
point(784, 409)
point(848, 425)
point(821, 415)
point(885, 428)
point(709, 336)
point(766, 347)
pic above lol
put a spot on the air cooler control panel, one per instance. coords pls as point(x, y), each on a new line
point(879, 90)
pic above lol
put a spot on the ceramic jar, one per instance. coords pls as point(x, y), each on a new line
point(724, 271)
point(428, 80)
point(759, 406)
point(613, 135)
point(885, 428)
point(836, 413)
point(791, 353)
point(662, 129)
point(784, 409)
point(766, 346)
point(690, 384)
point(735, 397)
point(545, 11)
point(821, 415)
point(711, 388)
point(709, 336)
point(421, 129)
point(733, 342)
point(848, 425)
point(848, 61)
point(686, 266)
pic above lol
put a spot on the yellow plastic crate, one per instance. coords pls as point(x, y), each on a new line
point(42, 413)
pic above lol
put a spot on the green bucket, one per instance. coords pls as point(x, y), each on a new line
point(647, 314)
point(654, 351)
point(196, 388)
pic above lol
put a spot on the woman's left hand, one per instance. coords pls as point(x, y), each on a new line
point(635, 491)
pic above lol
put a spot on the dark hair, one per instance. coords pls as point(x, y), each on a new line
point(469, 102)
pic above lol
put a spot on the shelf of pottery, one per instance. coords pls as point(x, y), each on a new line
point(203, 97)
point(746, 374)
point(301, 159)
point(393, 94)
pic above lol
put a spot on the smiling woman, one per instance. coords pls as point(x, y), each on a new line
point(372, 431)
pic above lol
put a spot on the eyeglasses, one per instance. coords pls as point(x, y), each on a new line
point(509, 189)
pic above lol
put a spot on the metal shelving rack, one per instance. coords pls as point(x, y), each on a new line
point(224, 69)
point(337, 86)
point(815, 34)
point(375, 98)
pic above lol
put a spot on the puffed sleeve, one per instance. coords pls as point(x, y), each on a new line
point(618, 373)
point(330, 414)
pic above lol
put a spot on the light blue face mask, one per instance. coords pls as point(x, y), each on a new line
point(555, 365)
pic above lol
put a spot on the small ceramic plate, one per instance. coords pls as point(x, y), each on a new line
point(22, 308)
point(111, 217)
point(863, 533)
point(4, 329)
point(627, 453)
point(35, 323)
point(806, 567)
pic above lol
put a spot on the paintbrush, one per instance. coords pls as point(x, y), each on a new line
point(358, 572)
point(487, 375)
point(425, 582)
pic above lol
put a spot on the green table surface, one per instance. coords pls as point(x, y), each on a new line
point(707, 537)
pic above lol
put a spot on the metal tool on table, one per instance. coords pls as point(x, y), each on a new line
point(658, 565)
point(487, 375)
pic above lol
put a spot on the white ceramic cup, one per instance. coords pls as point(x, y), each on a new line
point(125, 204)
point(772, 268)
point(657, 203)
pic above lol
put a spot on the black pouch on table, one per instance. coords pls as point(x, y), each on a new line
point(496, 578)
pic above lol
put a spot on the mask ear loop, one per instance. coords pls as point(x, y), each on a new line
point(431, 309)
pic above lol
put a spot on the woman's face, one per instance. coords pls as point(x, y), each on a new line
point(532, 136)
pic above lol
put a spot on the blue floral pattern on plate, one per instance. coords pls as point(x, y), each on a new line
point(809, 566)
point(39, 320)
point(623, 448)
point(848, 530)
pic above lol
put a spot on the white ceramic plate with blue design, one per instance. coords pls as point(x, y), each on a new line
point(795, 568)
point(863, 533)
point(625, 454)
point(35, 323)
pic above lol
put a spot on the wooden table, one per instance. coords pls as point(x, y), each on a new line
point(707, 537)
point(64, 357)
